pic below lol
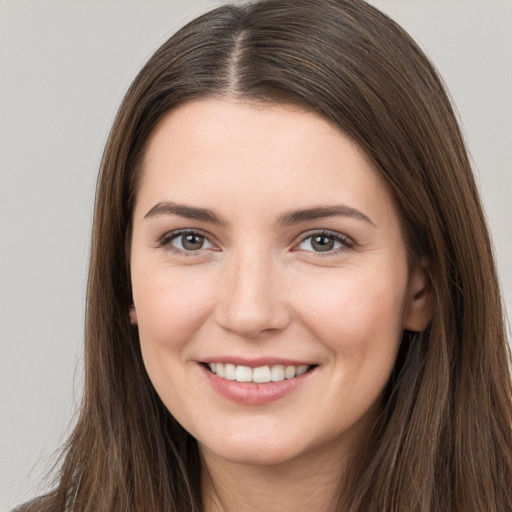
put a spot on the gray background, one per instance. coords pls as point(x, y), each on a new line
point(64, 66)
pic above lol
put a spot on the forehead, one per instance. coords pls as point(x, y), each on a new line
point(241, 154)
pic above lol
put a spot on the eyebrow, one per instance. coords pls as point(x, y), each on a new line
point(287, 219)
point(188, 212)
point(320, 212)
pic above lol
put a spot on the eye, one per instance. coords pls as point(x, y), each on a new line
point(186, 241)
point(325, 242)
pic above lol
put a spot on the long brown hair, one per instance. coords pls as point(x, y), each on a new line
point(444, 439)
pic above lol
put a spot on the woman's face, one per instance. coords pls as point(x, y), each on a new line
point(267, 248)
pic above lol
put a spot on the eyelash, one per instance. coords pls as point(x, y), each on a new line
point(346, 242)
point(166, 240)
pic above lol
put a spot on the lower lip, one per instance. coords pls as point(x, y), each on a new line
point(250, 393)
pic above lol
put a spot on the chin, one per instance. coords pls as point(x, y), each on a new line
point(252, 453)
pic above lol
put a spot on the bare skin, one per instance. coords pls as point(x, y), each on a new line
point(263, 238)
point(309, 482)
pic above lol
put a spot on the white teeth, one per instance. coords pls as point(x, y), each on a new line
point(301, 369)
point(230, 371)
point(289, 372)
point(277, 373)
point(261, 374)
point(243, 374)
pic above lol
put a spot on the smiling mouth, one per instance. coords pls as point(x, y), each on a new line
point(260, 374)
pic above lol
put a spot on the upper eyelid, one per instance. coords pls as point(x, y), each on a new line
point(325, 232)
point(186, 231)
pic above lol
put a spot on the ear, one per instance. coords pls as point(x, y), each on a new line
point(133, 315)
point(419, 307)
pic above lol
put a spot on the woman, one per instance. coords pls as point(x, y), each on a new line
point(292, 301)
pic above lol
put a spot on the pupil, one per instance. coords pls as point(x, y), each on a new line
point(322, 243)
point(192, 242)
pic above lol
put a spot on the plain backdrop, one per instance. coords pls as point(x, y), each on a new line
point(64, 67)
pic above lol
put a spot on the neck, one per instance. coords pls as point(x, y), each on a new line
point(312, 482)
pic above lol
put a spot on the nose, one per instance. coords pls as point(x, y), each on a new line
point(251, 297)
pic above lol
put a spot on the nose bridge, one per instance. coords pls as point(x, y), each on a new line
point(250, 302)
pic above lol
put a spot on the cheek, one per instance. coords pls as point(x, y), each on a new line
point(171, 306)
point(359, 321)
point(357, 315)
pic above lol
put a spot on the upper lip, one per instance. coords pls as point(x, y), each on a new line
point(256, 362)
